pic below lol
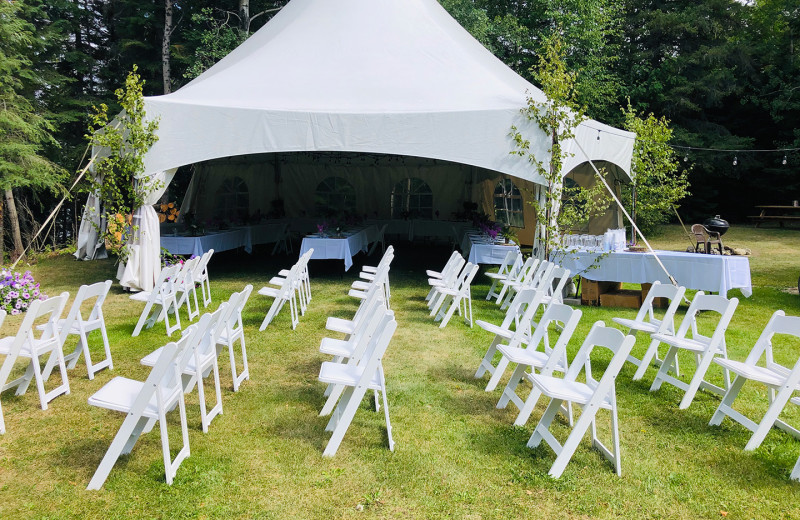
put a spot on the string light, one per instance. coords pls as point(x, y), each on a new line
point(784, 160)
point(686, 158)
point(735, 160)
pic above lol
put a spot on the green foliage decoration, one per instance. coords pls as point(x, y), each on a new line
point(659, 182)
point(122, 145)
point(557, 116)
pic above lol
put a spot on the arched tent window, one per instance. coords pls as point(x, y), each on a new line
point(335, 195)
point(234, 199)
point(412, 198)
point(508, 204)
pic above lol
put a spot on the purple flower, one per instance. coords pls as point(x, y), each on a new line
point(18, 305)
point(26, 295)
point(13, 294)
point(14, 312)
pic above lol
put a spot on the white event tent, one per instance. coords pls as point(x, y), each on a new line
point(397, 77)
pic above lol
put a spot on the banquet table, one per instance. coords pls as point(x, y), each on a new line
point(218, 241)
point(482, 250)
point(714, 273)
point(343, 248)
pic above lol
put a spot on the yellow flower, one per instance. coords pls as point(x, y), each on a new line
point(163, 207)
point(120, 218)
point(118, 236)
point(171, 217)
point(161, 217)
point(171, 205)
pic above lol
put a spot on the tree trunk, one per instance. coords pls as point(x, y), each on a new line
point(14, 220)
point(244, 16)
point(165, 62)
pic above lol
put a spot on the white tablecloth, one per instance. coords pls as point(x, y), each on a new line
point(341, 248)
point(714, 273)
point(481, 251)
point(220, 241)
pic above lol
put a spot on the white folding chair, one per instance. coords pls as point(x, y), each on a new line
point(281, 295)
point(539, 278)
point(510, 266)
point(547, 360)
point(348, 327)
point(368, 274)
point(591, 396)
point(83, 327)
point(554, 290)
point(380, 278)
point(233, 331)
point(446, 276)
point(379, 239)
point(366, 374)
point(201, 276)
point(704, 348)
point(186, 289)
point(161, 300)
point(456, 296)
point(144, 403)
point(518, 280)
point(646, 321)
point(520, 314)
point(781, 380)
point(26, 345)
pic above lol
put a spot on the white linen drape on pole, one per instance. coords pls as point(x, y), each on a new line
point(89, 244)
point(144, 259)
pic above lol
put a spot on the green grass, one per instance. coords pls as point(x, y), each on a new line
point(457, 456)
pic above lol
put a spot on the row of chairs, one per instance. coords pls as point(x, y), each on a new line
point(357, 358)
point(176, 285)
point(43, 332)
point(292, 286)
point(176, 369)
point(451, 289)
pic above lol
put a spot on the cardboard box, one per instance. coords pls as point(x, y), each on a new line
point(628, 299)
point(592, 289)
point(662, 303)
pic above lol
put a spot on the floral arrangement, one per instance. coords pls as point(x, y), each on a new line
point(490, 228)
point(168, 259)
point(167, 212)
point(18, 291)
point(322, 227)
point(118, 227)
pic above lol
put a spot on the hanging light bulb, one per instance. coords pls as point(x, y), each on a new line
point(686, 158)
point(735, 160)
point(784, 160)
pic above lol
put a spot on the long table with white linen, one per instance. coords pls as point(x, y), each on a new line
point(340, 248)
point(482, 250)
point(714, 273)
point(218, 241)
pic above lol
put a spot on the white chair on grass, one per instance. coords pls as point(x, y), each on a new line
point(591, 396)
point(380, 238)
point(704, 348)
point(510, 266)
point(554, 290)
point(201, 276)
point(539, 278)
point(513, 284)
point(144, 403)
point(520, 314)
point(380, 278)
point(547, 360)
point(781, 380)
point(646, 321)
point(186, 288)
point(455, 296)
point(159, 302)
point(282, 295)
point(83, 328)
point(301, 283)
point(446, 276)
point(348, 327)
point(233, 331)
point(368, 274)
point(26, 345)
point(365, 374)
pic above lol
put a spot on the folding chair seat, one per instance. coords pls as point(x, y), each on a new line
point(446, 277)
point(452, 281)
point(547, 360)
point(371, 269)
point(201, 276)
point(781, 381)
point(540, 278)
point(349, 326)
point(379, 239)
point(704, 348)
point(527, 299)
point(26, 345)
point(285, 293)
point(301, 283)
point(359, 288)
point(357, 378)
point(513, 284)
point(591, 396)
point(201, 364)
point(186, 289)
point(159, 302)
point(368, 273)
point(233, 331)
point(456, 296)
point(646, 321)
point(510, 266)
point(144, 404)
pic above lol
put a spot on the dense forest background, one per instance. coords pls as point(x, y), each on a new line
point(725, 72)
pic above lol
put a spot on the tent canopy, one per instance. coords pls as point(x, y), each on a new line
point(383, 76)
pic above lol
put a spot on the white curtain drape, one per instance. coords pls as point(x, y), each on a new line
point(144, 259)
point(89, 244)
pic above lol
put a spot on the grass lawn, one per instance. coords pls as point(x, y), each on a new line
point(457, 456)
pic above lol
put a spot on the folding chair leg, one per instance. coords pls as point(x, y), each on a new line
point(144, 318)
point(497, 375)
point(727, 402)
point(568, 449)
point(128, 433)
point(543, 428)
point(342, 418)
point(486, 362)
point(697, 379)
point(386, 409)
point(770, 418)
point(796, 471)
